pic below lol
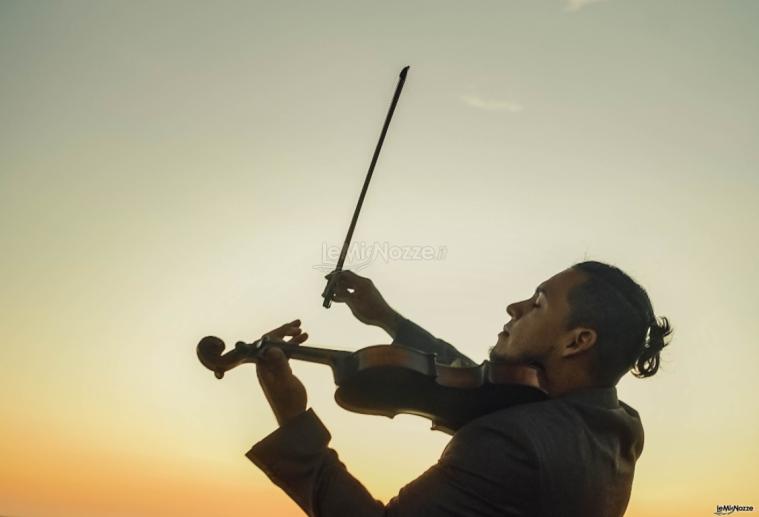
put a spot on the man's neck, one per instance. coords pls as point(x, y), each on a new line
point(558, 382)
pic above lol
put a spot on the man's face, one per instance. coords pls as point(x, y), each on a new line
point(537, 326)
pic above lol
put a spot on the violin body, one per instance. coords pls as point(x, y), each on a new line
point(393, 379)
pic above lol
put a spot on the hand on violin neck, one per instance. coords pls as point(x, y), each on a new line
point(283, 390)
point(365, 301)
point(292, 329)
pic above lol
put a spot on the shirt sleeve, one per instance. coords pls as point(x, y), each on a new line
point(481, 473)
point(296, 458)
point(412, 335)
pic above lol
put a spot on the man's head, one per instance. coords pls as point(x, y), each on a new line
point(590, 321)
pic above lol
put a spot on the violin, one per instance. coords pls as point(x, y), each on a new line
point(392, 379)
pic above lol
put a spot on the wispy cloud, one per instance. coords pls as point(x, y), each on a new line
point(491, 104)
point(576, 5)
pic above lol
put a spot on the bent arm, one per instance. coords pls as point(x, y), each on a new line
point(412, 335)
point(368, 306)
point(296, 458)
point(482, 472)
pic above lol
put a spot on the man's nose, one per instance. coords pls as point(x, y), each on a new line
point(512, 311)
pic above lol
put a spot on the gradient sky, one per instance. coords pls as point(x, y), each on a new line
point(171, 170)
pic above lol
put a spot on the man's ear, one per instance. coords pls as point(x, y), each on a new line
point(580, 339)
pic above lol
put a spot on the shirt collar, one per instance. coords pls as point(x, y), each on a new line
point(605, 397)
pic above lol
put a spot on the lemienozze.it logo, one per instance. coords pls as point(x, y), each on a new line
point(727, 509)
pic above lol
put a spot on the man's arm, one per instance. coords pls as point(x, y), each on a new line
point(484, 471)
point(296, 458)
point(368, 306)
point(480, 473)
point(412, 335)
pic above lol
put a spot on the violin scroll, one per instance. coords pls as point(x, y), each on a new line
point(209, 353)
point(210, 350)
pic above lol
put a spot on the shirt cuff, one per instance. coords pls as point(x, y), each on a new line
point(302, 435)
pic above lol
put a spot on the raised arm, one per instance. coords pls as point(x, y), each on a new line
point(412, 335)
point(368, 306)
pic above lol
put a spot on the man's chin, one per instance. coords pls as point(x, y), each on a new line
point(505, 356)
point(499, 356)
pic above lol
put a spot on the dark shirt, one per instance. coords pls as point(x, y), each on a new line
point(568, 456)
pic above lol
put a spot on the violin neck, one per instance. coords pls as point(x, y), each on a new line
point(310, 353)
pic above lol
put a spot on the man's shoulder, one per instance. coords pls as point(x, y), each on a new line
point(561, 448)
point(523, 419)
point(551, 426)
point(527, 423)
point(516, 427)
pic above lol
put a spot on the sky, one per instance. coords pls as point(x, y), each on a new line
point(172, 170)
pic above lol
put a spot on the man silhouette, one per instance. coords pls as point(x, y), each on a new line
point(573, 454)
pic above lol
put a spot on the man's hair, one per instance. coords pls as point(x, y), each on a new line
point(629, 335)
